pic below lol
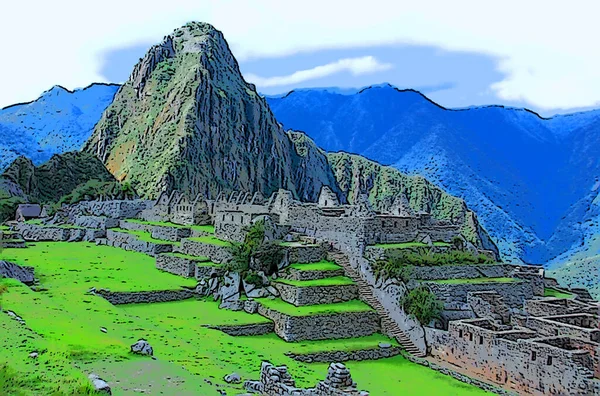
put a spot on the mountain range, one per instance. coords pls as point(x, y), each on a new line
point(58, 121)
point(532, 181)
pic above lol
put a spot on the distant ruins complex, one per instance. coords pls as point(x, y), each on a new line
point(497, 328)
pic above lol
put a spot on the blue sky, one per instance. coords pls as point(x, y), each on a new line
point(535, 54)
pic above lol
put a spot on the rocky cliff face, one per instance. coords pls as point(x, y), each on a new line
point(357, 175)
point(187, 120)
point(53, 179)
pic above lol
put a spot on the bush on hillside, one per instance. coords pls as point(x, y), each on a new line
point(95, 189)
point(422, 304)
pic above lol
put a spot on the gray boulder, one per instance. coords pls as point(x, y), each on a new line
point(230, 289)
point(142, 347)
point(12, 270)
point(100, 385)
point(233, 378)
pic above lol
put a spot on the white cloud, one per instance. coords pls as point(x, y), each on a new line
point(356, 66)
point(547, 48)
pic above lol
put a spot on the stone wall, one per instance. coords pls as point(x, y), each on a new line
point(344, 356)
point(135, 226)
point(461, 271)
point(558, 306)
point(298, 275)
point(96, 222)
point(143, 297)
point(130, 242)
point(216, 253)
point(125, 209)
point(322, 327)
point(514, 359)
point(306, 253)
point(314, 295)
point(176, 265)
point(36, 232)
point(253, 329)
point(513, 293)
point(174, 234)
point(551, 326)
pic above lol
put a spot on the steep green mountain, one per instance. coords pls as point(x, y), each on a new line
point(357, 175)
point(187, 120)
point(52, 180)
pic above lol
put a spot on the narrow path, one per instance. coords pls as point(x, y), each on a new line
point(388, 325)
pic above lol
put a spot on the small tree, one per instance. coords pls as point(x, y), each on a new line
point(422, 304)
point(255, 253)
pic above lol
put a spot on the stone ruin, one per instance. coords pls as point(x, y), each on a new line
point(277, 381)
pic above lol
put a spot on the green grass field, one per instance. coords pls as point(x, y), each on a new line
point(550, 292)
point(334, 281)
point(474, 281)
point(65, 327)
point(323, 265)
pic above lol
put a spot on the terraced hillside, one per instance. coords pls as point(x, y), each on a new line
point(75, 332)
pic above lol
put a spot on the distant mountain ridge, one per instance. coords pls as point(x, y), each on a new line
point(519, 172)
point(58, 121)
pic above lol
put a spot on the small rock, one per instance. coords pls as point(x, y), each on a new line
point(103, 329)
point(385, 345)
point(142, 347)
point(33, 355)
point(274, 276)
point(233, 378)
point(273, 291)
point(100, 385)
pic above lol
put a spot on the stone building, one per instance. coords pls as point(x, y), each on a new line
point(177, 208)
point(28, 212)
point(538, 352)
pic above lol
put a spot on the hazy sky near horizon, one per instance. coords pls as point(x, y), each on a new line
point(536, 54)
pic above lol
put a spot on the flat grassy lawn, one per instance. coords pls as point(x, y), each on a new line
point(65, 328)
point(550, 292)
point(77, 267)
point(211, 240)
point(308, 310)
point(475, 281)
point(407, 245)
point(334, 281)
point(322, 265)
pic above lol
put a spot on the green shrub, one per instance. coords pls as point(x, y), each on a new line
point(255, 253)
point(424, 257)
point(253, 278)
point(8, 206)
point(390, 269)
point(422, 304)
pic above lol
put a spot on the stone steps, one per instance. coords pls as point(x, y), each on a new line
point(366, 295)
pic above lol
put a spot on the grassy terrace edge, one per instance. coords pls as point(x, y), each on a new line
point(206, 228)
point(334, 281)
point(323, 265)
point(312, 310)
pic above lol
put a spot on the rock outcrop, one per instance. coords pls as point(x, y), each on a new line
point(12, 270)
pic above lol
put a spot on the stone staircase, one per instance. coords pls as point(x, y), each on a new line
point(388, 325)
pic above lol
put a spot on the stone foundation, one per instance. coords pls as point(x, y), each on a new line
point(513, 293)
point(306, 253)
point(174, 234)
point(36, 232)
point(134, 226)
point(322, 326)
point(246, 330)
point(130, 242)
point(216, 253)
point(344, 356)
point(144, 297)
point(315, 295)
point(294, 274)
